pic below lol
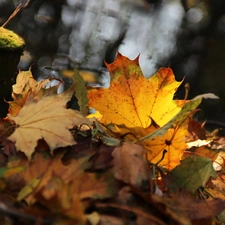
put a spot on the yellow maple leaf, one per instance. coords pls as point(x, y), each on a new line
point(132, 99)
point(132, 103)
point(167, 150)
point(46, 119)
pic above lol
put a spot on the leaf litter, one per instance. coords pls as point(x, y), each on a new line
point(131, 166)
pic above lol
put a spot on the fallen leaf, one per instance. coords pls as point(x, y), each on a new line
point(137, 105)
point(132, 99)
point(193, 172)
point(6, 128)
point(58, 169)
point(24, 82)
point(185, 113)
point(167, 150)
point(80, 92)
point(7, 171)
point(47, 119)
point(196, 130)
point(129, 164)
point(62, 200)
point(219, 184)
point(172, 141)
point(37, 166)
point(221, 217)
point(73, 178)
point(185, 209)
point(26, 86)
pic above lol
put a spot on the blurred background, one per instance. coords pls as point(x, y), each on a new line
point(186, 35)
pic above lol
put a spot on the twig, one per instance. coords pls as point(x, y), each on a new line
point(16, 11)
point(27, 3)
point(18, 8)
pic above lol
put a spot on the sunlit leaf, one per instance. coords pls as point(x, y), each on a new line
point(132, 99)
point(167, 150)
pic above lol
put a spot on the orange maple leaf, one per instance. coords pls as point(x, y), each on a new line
point(132, 99)
point(132, 102)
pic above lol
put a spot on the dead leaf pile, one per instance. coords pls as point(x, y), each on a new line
point(144, 160)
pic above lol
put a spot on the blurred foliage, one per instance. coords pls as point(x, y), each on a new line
point(187, 35)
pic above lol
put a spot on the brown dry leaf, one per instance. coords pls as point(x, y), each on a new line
point(184, 209)
point(196, 130)
point(58, 170)
point(24, 82)
point(37, 166)
point(219, 184)
point(205, 151)
point(6, 128)
point(62, 187)
point(72, 177)
point(62, 200)
point(16, 105)
point(25, 86)
point(129, 164)
point(47, 119)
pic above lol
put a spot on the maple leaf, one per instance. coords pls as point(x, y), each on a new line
point(47, 119)
point(165, 150)
point(132, 99)
point(136, 105)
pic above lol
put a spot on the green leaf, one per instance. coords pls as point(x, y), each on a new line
point(193, 172)
point(80, 92)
